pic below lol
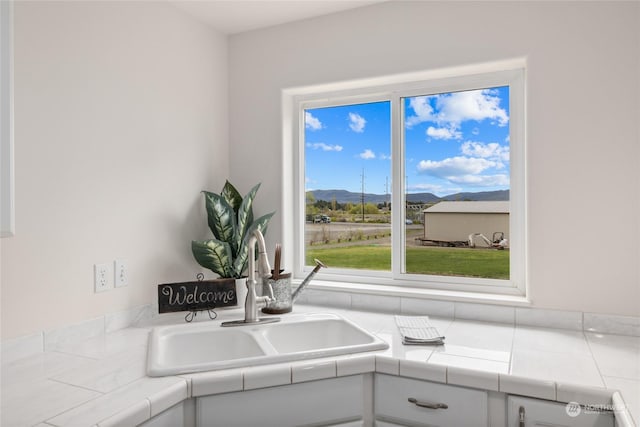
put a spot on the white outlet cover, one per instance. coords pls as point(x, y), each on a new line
point(101, 277)
point(120, 273)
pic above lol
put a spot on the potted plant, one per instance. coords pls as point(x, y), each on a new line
point(230, 218)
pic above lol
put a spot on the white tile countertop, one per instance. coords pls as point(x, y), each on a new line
point(102, 380)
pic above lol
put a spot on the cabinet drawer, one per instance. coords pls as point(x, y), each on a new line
point(325, 402)
point(544, 413)
point(465, 407)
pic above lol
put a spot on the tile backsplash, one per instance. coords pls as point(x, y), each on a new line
point(25, 346)
point(519, 316)
point(612, 324)
point(28, 345)
point(542, 317)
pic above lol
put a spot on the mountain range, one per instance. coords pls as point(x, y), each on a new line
point(344, 196)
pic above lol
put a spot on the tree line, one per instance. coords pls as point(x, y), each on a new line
point(322, 206)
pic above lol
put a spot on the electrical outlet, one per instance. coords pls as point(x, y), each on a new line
point(120, 273)
point(101, 277)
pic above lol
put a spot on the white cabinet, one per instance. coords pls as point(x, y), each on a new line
point(404, 401)
point(331, 402)
point(379, 399)
point(172, 417)
point(527, 412)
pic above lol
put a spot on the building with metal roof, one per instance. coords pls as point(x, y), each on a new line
point(455, 221)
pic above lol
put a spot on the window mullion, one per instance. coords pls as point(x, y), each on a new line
point(397, 185)
point(299, 191)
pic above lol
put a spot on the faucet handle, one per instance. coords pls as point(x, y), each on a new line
point(265, 281)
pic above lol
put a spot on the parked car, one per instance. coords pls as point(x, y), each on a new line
point(408, 221)
point(322, 219)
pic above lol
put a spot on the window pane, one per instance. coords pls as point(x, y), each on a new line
point(457, 168)
point(348, 185)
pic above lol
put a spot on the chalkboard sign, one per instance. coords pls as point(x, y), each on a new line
point(192, 296)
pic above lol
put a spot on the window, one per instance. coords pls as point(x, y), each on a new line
point(414, 182)
point(456, 164)
point(347, 152)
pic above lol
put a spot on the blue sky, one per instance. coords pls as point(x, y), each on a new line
point(454, 142)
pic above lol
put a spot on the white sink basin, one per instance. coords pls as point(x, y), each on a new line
point(180, 349)
point(324, 334)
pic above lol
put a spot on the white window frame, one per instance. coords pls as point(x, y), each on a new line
point(7, 201)
point(294, 101)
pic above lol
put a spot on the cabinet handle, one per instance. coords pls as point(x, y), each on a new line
point(428, 404)
point(521, 416)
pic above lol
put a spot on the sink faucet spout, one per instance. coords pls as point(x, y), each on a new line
point(253, 302)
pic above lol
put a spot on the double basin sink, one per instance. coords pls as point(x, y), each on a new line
point(180, 349)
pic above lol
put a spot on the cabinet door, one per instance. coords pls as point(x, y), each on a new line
point(335, 401)
point(404, 401)
point(528, 412)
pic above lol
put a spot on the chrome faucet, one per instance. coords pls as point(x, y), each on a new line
point(253, 302)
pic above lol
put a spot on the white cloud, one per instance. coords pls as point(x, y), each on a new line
point(465, 171)
point(324, 147)
point(367, 155)
point(311, 122)
point(492, 150)
point(422, 109)
point(357, 122)
point(471, 105)
point(474, 168)
point(481, 180)
point(383, 156)
point(451, 109)
point(308, 182)
point(431, 188)
point(455, 166)
point(443, 133)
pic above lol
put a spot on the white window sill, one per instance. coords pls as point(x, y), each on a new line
point(418, 293)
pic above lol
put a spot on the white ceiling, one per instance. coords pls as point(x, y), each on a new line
point(236, 16)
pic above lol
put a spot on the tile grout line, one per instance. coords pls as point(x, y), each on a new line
point(102, 393)
point(513, 346)
point(48, 420)
point(67, 353)
point(595, 361)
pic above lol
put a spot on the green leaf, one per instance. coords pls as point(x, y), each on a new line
point(259, 224)
point(242, 258)
point(241, 261)
point(214, 255)
point(245, 216)
point(232, 196)
point(221, 218)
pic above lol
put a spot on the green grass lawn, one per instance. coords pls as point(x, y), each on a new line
point(487, 263)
